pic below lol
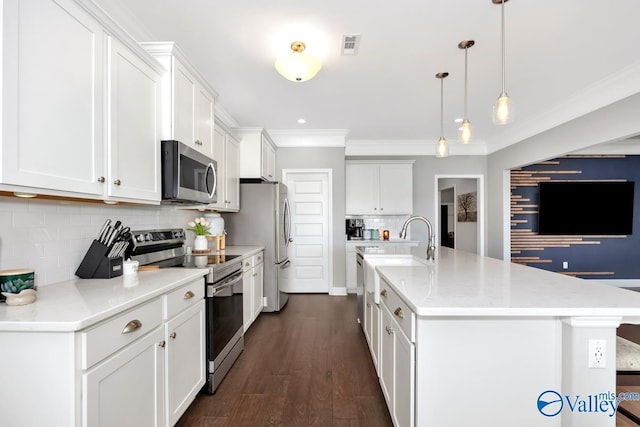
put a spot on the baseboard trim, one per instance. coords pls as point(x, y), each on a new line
point(338, 291)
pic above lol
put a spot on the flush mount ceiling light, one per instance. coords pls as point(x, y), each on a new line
point(464, 131)
point(503, 112)
point(298, 65)
point(442, 148)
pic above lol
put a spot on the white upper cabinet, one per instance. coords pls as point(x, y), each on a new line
point(257, 155)
point(134, 154)
point(52, 63)
point(379, 188)
point(188, 101)
point(226, 153)
point(79, 104)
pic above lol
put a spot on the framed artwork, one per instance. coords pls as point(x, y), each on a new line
point(467, 207)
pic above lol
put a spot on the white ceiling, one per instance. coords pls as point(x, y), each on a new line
point(564, 59)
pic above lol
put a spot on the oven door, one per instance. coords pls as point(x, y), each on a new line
point(224, 317)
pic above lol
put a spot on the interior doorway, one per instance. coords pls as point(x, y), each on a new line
point(459, 212)
point(311, 252)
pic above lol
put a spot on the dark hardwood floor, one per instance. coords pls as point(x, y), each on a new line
point(308, 365)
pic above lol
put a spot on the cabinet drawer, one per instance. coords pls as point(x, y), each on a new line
point(401, 312)
point(183, 298)
point(109, 336)
point(250, 262)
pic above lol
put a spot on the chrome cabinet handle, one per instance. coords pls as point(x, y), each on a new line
point(254, 274)
point(198, 142)
point(247, 264)
point(172, 335)
point(399, 313)
point(161, 344)
point(132, 326)
point(101, 179)
point(383, 293)
point(117, 182)
point(389, 330)
point(368, 305)
point(189, 295)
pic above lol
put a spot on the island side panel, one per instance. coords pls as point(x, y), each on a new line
point(486, 370)
point(583, 387)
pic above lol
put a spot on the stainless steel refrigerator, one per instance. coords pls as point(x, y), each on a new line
point(264, 219)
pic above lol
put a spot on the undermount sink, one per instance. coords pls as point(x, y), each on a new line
point(372, 278)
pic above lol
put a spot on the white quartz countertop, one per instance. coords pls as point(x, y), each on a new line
point(393, 241)
point(76, 304)
point(460, 283)
point(244, 251)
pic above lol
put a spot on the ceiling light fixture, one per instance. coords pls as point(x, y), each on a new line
point(298, 65)
point(442, 149)
point(503, 112)
point(464, 131)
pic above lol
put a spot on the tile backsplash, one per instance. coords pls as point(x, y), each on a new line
point(393, 223)
point(52, 236)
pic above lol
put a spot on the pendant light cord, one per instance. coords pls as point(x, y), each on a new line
point(465, 83)
point(503, 44)
point(441, 108)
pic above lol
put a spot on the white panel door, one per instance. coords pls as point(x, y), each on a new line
point(309, 252)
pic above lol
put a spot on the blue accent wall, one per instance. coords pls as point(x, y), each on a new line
point(594, 257)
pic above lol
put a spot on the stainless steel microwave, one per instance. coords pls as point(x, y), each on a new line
point(188, 176)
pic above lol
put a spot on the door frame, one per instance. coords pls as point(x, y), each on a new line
point(453, 206)
point(329, 173)
point(481, 205)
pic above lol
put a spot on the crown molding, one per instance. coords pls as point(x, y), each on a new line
point(309, 137)
point(223, 115)
point(410, 147)
point(613, 88)
point(628, 147)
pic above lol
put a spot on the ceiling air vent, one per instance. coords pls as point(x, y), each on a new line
point(350, 44)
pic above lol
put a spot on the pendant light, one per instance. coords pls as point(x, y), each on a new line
point(298, 65)
point(442, 148)
point(464, 131)
point(503, 112)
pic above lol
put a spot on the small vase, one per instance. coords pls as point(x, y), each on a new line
point(200, 243)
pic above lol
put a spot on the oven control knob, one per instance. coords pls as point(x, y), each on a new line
point(140, 238)
point(148, 237)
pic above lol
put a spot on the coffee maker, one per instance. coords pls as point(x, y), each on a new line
point(354, 228)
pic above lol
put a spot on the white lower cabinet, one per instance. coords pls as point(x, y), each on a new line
point(372, 328)
point(397, 360)
point(185, 361)
point(128, 388)
point(252, 288)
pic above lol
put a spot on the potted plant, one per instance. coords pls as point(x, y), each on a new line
point(201, 227)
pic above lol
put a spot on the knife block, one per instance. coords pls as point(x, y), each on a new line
point(96, 264)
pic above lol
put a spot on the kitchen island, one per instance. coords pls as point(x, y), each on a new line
point(471, 340)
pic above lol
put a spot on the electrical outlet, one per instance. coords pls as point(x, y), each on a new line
point(598, 354)
point(565, 265)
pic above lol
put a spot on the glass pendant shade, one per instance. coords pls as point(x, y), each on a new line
point(442, 148)
point(298, 65)
point(465, 131)
point(503, 112)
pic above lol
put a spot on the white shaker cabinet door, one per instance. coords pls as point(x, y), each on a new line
point(127, 389)
point(258, 279)
point(362, 189)
point(185, 360)
point(232, 174)
point(184, 95)
point(203, 121)
point(52, 135)
point(396, 189)
point(134, 148)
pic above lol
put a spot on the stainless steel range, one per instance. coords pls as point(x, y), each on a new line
point(223, 296)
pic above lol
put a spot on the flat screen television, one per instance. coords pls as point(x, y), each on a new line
point(585, 208)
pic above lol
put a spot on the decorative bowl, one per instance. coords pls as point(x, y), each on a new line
point(26, 296)
point(15, 281)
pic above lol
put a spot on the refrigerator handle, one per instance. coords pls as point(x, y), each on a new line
point(287, 223)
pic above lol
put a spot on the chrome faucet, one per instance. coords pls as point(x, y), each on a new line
point(431, 249)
